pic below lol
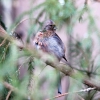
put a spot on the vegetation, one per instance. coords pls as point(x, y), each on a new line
point(39, 82)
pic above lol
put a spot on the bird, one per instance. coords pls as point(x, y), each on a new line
point(48, 41)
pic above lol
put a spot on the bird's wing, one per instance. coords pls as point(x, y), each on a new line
point(59, 41)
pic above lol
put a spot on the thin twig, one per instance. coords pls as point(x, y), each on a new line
point(8, 95)
point(23, 20)
point(2, 42)
point(3, 56)
point(64, 94)
point(18, 70)
point(8, 86)
point(41, 71)
point(80, 97)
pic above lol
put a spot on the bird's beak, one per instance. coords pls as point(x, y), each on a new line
point(55, 28)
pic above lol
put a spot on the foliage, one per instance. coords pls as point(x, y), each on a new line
point(38, 76)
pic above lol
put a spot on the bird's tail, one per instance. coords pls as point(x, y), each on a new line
point(59, 80)
point(65, 58)
point(59, 84)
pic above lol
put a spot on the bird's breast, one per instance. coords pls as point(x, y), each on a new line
point(53, 46)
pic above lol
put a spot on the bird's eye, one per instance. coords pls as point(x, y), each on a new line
point(36, 43)
point(51, 25)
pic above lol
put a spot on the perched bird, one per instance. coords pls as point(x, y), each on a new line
point(48, 41)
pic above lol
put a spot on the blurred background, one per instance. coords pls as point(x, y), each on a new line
point(77, 24)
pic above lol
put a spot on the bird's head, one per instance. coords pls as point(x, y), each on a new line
point(49, 25)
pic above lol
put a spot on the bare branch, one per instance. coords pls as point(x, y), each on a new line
point(9, 93)
point(64, 94)
point(8, 86)
point(2, 42)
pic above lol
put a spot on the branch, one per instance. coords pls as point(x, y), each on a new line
point(64, 94)
point(9, 93)
point(8, 86)
point(91, 83)
point(2, 42)
point(66, 69)
point(12, 89)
